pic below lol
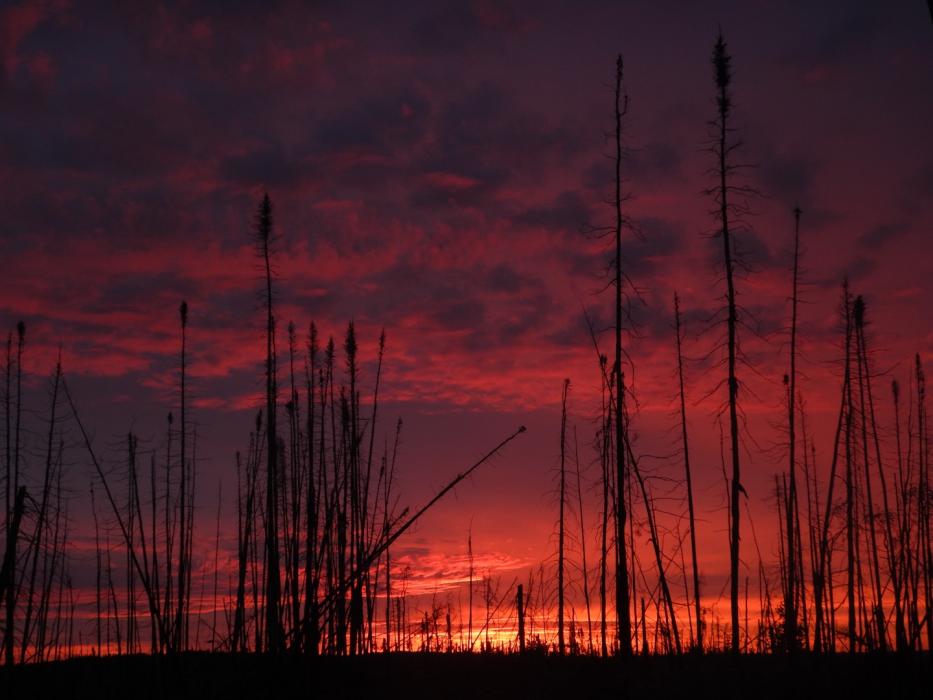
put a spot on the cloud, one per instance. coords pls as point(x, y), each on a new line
point(881, 236)
point(786, 178)
point(567, 212)
point(843, 35)
point(456, 28)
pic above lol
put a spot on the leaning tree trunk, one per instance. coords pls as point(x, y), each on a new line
point(690, 509)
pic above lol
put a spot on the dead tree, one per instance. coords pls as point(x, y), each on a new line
point(41, 518)
point(470, 596)
point(822, 588)
point(604, 437)
point(877, 611)
point(585, 567)
point(790, 594)
point(180, 642)
point(686, 446)
point(560, 537)
point(7, 597)
point(924, 510)
point(275, 637)
point(850, 479)
point(623, 613)
point(13, 487)
point(665, 591)
point(723, 148)
point(141, 571)
point(520, 604)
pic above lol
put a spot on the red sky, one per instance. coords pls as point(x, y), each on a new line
point(433, 172)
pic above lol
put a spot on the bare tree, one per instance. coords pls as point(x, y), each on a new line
point(723, 148)
point(275, 637)
point(584, 564)
point(623, 605)
point(180, 642)
point(790, 595)
point(689, 479)
point(560, 537)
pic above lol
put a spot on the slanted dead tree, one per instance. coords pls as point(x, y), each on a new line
point(604, 448)
point(877, 609)
point(688, 477)
point(403, 523)
point(887, 518)
point(42, 518)
point(665, 595)
point(141, 570)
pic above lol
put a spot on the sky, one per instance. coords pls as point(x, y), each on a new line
point(437, 170)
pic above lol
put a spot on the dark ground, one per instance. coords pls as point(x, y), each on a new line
point(202, 676)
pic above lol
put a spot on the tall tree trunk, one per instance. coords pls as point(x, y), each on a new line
point(822, 585)
point(274, 633)
point(850, 483)
point(168, 599)
point(470, 595)
point(98, 617)
point(41, 518)
point(586, 575)
point(723, 75)
point(155, 641)
point(924, 507)
point(214, 640)
point(896, 583)
point(242, 526)
point(877, 612)
point(11, 589)
point(312, 572)
point(179, 643)
point(623, 613)
point(520, 603)
point(7, 597)
point(560, 537)
point(790, 593)
point(604, 436)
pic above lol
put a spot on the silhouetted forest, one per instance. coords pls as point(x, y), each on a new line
point(319, 512)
